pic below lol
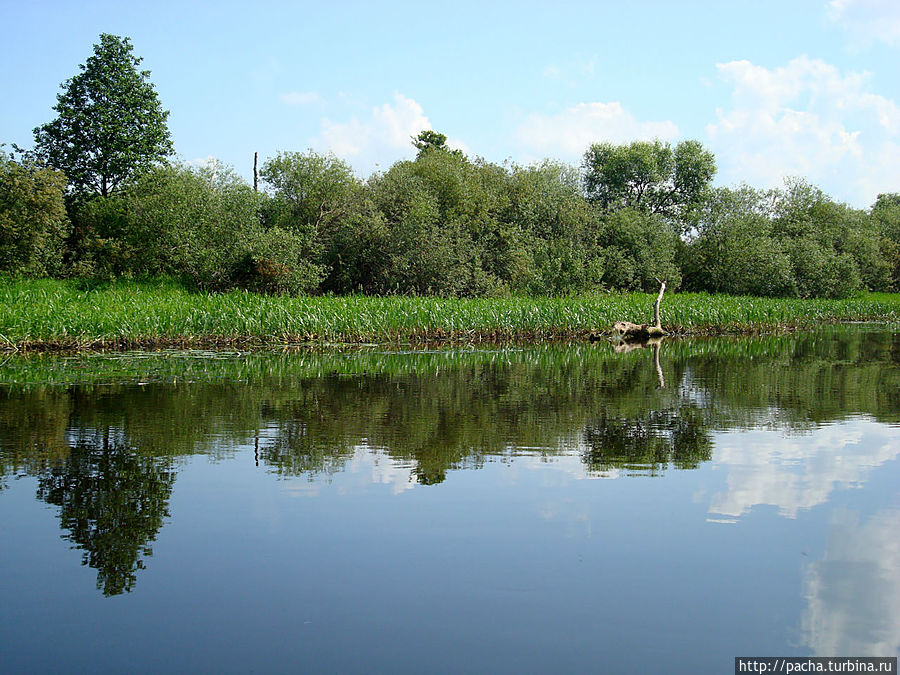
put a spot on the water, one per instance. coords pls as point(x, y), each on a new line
point(567, 509)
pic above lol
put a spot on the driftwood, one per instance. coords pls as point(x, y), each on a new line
point(626, 330)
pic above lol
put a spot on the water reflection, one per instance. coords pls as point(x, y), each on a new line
point(112, 501)
point(104, 437)
point(853, 592)
point(795, 472)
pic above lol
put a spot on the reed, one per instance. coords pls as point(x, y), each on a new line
point(160, 312)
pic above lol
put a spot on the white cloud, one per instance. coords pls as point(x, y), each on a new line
point(568, 134)
point(301, 98)
point(807, 119)
point(380, 139)
point(374, 466)
point(868, 21)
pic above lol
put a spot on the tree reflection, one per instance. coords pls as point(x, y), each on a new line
point(648, 443)
point(103, 452)
point(112, 500)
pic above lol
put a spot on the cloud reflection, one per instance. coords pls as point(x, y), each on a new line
point(853, 592)
point(794, 473)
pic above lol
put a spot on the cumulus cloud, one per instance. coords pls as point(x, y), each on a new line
point(566, 135)
point(301, 98)
point(378, 140)
point(807, 119)
point(868, 21)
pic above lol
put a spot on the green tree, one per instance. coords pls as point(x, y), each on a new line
point(33, 223)
point(650, 176)
point(110, 123)
point(638, 249)
point(886, 213)
point(430, 140)
point(734, 250)
point(834, 249)
point(550, 243)
point(312, 197)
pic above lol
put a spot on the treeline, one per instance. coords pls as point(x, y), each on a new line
point(445, 224)
point(96, 197)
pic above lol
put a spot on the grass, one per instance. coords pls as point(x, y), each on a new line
point(133, 314)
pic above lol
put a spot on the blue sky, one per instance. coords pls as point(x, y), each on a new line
point(774, 89)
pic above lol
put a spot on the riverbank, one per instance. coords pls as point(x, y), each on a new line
point(73, 315)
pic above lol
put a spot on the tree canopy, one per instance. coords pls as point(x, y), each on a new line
point(110, 122)
point(650, 176)
point(429, 139)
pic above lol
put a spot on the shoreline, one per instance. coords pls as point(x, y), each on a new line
point(45, 315)
point(417, 340)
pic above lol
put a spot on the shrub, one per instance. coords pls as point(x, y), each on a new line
point(638, 248)
point(33, 222)
point(735, 251)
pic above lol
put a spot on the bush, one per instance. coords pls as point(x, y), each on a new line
point(821, 272)
point(638, 249)
point(886, 215)
point(199, 224)
point(33, 222)
point(272, 262)
point(100, 247)
point(735, 251)
point(550, 245)
point(795, 241)
point(311, 196)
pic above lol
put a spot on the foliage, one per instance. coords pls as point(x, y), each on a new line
point(886, 214)
point(429, 140)
point(188, 221)
point(33, 222)
point(833, 249)
point(639, 251)
point(550, 241)
point(200, 224)
point(110, 123)
point(794, 241)
point(440, 217)
point(313, 198)
point(649, 176)
point(736, 251)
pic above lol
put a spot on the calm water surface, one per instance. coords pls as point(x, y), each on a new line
point(565, 509)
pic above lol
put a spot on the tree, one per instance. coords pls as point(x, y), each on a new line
point(886, 213)
point(310, 191)
point(110, 125)
point(649, 176)
point(429, 139)
point(33, 223)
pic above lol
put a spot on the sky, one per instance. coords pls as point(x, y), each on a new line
point(773, 88)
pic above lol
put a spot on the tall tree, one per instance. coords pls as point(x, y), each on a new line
point(650, 176)
point(110, 122)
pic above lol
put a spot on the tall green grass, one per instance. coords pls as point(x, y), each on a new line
point(75, 314)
